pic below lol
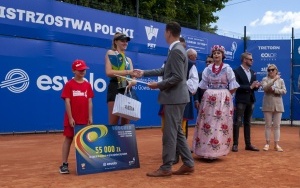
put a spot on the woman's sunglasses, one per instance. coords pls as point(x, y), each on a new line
point(271, 70)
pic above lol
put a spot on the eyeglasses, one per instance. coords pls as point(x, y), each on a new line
point(249, 59)
point(270, 70)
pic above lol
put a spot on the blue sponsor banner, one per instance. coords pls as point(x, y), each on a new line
point(202, 43)
point(101, 148)
point(40, 39)
point(296, 81)
point(32, 80)
point(63, 22)
point(267, 52)
point(58, 21)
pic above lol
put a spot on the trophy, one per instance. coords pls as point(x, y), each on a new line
point(122, 83)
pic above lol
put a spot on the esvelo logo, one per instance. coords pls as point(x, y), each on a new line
point(56, 83)
point(16, 81)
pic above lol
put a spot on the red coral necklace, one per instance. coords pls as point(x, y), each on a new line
point(217, 70)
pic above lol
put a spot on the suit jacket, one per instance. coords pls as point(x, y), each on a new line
point(244, 94)
point(173, 87)
point(272, 101)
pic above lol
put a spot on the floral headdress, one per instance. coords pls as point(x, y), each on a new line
point(218, 48)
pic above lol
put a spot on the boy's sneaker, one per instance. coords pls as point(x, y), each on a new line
point(63, 169)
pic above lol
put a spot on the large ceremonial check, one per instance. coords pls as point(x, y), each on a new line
point(102, 148)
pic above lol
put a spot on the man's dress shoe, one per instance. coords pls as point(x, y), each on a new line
point(184, 170)
point(251, 148)
point(235, 148)
point(160, 173)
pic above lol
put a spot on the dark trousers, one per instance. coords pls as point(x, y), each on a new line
point(242, 115)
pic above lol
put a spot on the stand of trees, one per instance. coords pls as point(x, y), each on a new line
point(195, 14)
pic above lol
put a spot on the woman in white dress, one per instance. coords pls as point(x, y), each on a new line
point(213, 132)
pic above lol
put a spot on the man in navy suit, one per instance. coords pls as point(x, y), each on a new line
point(244, 101)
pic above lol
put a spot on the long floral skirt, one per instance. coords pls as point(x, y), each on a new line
point(213, 131)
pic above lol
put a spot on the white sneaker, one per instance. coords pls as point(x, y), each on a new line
point(266, 148)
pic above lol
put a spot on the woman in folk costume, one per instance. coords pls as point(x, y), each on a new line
point(116, 63)
point(213, 132)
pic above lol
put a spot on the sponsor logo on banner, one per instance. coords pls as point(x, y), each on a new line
point(269, 55)
point(261, 74)
point(268, 47)
point(17, 81)
point(59, 21)
point(230, 54)
point(152, 36)
point(299, 50)
point(144, 86)
point(197, 43)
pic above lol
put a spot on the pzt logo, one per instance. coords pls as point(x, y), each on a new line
point(152, 36)
point(16, 81)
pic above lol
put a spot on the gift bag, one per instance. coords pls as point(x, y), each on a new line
point(127, 107)
point(132, 94)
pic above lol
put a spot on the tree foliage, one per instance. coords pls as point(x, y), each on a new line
point(196, 14)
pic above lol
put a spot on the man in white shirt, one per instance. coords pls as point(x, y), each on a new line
point(192, 83)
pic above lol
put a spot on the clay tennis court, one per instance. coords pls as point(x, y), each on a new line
point(32, 160)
